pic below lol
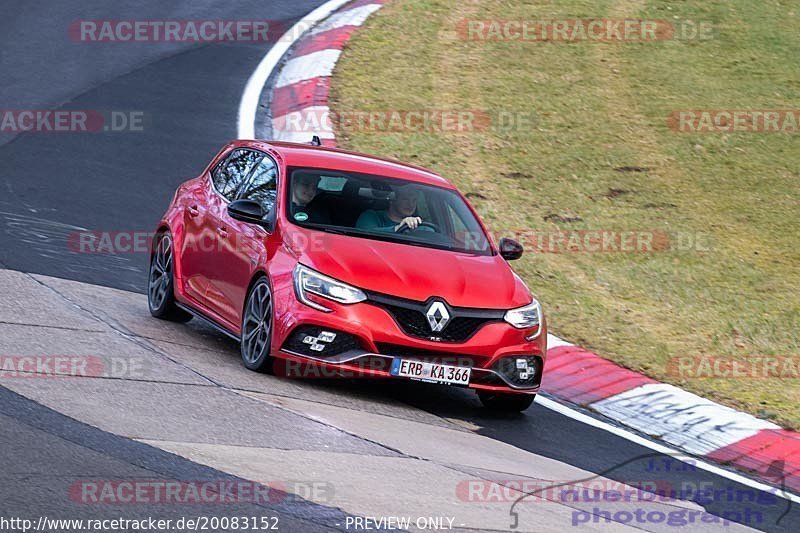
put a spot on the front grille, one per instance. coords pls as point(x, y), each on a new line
point(462, 327)
point(430, 356)
point(410, 316)
point(312, 341)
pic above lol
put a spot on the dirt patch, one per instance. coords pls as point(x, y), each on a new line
point(663, 205)
point(475, 195)
point(629, 168)
point(561, 219)
point(615, 193)
point(516, 175)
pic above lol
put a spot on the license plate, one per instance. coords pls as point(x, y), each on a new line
point(431, 372)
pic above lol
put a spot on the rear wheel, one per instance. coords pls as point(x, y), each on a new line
point(161, 282)
point(506, 402)
point(257, 328)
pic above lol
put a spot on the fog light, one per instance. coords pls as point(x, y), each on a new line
point(327, 336)
point(319, 342)
point(523, 372)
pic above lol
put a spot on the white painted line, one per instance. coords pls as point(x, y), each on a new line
point(314, 65)
point(555, 342)
point(660, 448)
point(351, 17)
point(252, 90)
point(681, 418)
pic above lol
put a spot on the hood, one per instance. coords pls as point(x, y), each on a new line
point(412, 272)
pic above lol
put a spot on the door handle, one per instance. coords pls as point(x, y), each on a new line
point(223, 232)
point(193, 211)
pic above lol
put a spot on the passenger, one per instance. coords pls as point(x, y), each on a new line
point(303, 209)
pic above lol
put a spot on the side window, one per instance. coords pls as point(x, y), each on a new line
point(262, 185)
point(230, 173)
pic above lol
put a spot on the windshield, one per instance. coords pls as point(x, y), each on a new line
point(380, 208)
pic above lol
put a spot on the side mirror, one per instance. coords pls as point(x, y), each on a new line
point(248, 211)
point(510, 249)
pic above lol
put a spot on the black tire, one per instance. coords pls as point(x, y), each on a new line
point(257, 320)
point(506, 402)
point(161, 281)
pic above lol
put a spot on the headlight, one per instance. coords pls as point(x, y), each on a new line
point(310, 281)
point(525, 317)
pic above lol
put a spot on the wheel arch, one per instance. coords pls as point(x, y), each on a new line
point(162, 228)
point(264, 362)
point(257, 275)
point(177, 266)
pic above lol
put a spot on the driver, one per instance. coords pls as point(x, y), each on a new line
point(401, 211)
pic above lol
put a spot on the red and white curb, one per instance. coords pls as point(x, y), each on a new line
point(300, 93)
point(685, 421)
point(693, 424)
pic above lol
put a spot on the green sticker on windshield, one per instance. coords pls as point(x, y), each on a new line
point(301, 217)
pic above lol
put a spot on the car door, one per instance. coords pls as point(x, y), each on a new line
point(240, 245)
point(223, 186)
point(196, 227)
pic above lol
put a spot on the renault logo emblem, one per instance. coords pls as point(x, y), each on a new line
point(438, 316)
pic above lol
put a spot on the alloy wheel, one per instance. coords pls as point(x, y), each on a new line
point(160, 273)
point(257, 324)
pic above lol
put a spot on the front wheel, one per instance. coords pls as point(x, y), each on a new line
point(161, 282)
point(257, 328)
point(506, 402)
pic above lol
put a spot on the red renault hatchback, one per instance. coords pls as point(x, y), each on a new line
point(326, 262)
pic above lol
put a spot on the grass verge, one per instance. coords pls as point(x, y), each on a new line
point(598, 154)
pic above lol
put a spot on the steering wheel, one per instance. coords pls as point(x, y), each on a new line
point(404, 228)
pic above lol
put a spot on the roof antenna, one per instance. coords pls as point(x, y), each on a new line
point(315, 141)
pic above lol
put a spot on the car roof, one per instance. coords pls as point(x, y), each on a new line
point(307, 155)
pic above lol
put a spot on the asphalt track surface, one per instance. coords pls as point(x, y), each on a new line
point(51, 451)
point(53, 184)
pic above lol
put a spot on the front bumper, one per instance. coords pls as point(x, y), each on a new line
point(368, 338)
